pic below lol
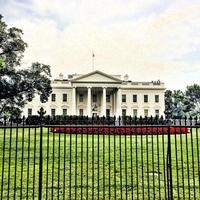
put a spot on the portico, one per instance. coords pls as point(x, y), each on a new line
point(96, 94)
point(96, 101)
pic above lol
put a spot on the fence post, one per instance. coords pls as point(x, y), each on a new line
point(168, 114)
point(41, 113)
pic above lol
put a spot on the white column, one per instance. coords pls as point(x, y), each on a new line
point(89, 102)
point(104, 102)
point(118, 102)
point(113, 99)
point(74, 101)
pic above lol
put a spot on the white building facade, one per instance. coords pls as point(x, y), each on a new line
point(100, 94)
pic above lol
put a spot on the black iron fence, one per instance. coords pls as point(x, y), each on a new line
point(100, 160)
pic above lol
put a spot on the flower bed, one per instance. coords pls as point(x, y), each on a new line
point(120, 130)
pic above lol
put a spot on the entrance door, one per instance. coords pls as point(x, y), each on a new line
point(81, 112)
point(107, 112)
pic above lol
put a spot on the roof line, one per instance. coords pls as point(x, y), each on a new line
point(99, 72)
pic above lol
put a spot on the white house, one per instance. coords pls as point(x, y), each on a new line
point(98, 93)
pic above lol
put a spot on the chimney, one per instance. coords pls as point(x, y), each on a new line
point(126, 77)
point(61, 76)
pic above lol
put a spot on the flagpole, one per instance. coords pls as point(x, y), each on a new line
point(93, 61)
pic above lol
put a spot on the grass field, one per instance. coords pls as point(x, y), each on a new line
point(97, 167)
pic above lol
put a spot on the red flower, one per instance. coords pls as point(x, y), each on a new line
point(120, 130)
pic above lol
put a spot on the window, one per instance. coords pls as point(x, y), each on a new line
point(157, 112)
point(64, 97)
point(94, 98)
point(156, 98)
point(29, 112)
point(81, 98)
point(134, 112)
point(81, 112)
point(124, 98)
point(64, 111)
point(53, 97)
point(146, 112)
point(108, 98)
point(123, 112)
point(134, 98)
point(145, 98)
point(53, 112)
point(107, 112)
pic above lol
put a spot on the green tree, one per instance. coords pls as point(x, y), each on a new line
point(18, 86)
point(178, 103)
point(193, 93)
point(2, 63)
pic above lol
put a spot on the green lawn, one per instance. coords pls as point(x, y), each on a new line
point(101, 166)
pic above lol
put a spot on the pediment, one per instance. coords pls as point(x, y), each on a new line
point(96, 76)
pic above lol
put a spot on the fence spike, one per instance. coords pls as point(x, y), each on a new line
point(130, 119)
point(140, 120)
point(135, 120)
point(11, 120)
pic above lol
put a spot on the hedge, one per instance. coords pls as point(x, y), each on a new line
point(83, 120)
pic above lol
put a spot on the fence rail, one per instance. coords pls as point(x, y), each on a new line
point(132, 161)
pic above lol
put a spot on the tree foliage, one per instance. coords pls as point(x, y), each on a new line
point(17, 85)
point(181, 103)
point(193, 93)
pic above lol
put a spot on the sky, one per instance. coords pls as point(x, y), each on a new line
point(146, 39)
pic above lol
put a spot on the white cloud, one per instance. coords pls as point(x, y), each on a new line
point(146, 39)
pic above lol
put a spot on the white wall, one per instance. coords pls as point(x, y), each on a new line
point(140, 105)
point(59, 105)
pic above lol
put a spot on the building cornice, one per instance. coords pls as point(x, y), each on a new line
point(96, 82)
point(122, 88)
point(147, 88)
point(61, 87)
